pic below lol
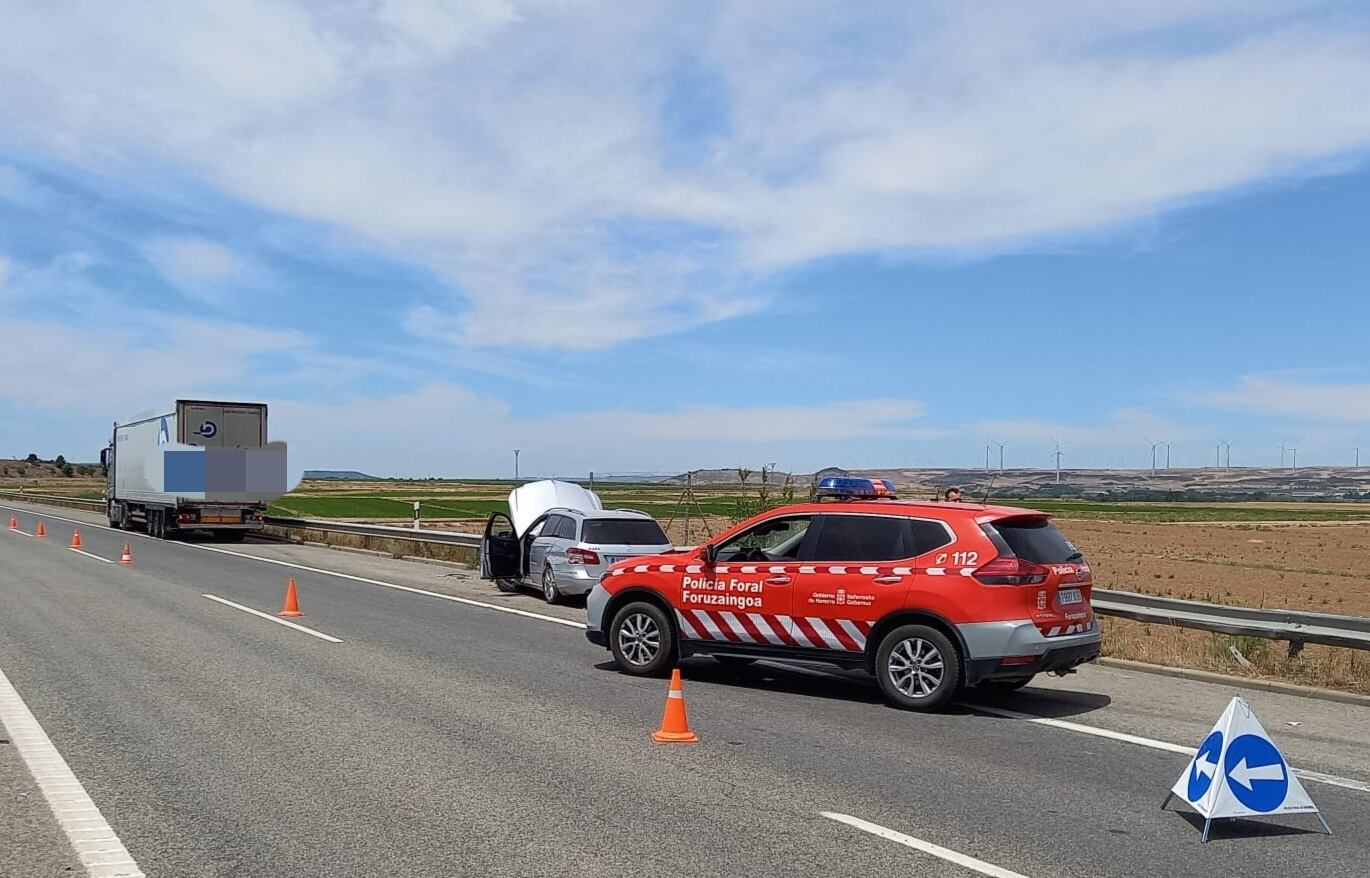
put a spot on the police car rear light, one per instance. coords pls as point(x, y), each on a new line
point(1008, 570)
point(581, 556)
point(846, 488)
point(1018, 660)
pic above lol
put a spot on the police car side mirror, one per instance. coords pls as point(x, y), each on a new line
point(711, 553)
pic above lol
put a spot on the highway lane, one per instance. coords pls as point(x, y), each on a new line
point(440, 738)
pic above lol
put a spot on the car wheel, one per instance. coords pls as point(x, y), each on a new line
point(917, 668)
point(550, 592)
point(1011, 685)
point(642, 640)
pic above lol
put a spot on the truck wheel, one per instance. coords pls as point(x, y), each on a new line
point(917, 668)
point(642, 640)
point(116, 518)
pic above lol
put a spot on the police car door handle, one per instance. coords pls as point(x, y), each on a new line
point(778, 580)
point(888, 580)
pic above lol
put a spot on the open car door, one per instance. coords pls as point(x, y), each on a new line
point(501, 549)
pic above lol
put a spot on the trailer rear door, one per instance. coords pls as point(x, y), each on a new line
point(222, 425)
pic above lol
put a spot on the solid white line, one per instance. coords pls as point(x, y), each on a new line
point(22, 533)
point(926, 847)
point(1318, 776)
point(270, 618)
point(432, 594)
point(95, 843)
point(89, 555)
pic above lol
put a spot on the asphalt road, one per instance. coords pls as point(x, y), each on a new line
point(446, 738)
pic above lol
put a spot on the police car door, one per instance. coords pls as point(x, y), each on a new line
point(746, 595)
point(859, 568)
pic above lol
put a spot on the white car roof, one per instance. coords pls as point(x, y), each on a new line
point(528, 502)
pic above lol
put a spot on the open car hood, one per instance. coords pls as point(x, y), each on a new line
point(528, 502)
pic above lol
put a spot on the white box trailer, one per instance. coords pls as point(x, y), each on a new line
point(200, 465)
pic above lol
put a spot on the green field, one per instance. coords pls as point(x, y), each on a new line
point(466, 500)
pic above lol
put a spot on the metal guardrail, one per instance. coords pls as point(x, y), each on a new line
point(1298, 628)
point(427, 535)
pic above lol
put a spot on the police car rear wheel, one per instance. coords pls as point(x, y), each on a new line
point(918, 668)
point(642, 641)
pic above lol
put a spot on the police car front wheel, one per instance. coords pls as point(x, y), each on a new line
point(918, 667)
point(642, 640)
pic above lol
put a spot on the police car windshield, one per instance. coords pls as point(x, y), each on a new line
point(769, 541)
point(623, 532)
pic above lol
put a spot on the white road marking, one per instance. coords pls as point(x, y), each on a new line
point(383, 584)
point(1318, 776)
point(22, 533)
point(89, 555)
point(1306, 774)
point(95, 843)
point(270, 618)
point(432, 594)
point(927, 847)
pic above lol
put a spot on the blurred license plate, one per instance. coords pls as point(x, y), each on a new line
point(613, 559)
point(1070, 596)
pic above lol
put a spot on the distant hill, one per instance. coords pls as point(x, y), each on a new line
point(1209, 483)
point(350, 475)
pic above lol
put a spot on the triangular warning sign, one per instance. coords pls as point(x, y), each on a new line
point(1238, 771)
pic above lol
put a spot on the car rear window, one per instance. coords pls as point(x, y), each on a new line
point(623, 532)
point(1035, 539)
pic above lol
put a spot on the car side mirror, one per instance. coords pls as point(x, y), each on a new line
point(711, 553)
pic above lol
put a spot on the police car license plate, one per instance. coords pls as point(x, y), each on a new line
point(1070, 596)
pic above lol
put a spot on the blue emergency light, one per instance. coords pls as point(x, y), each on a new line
point(848, 488)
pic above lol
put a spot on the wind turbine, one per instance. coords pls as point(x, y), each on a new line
point(1057, 454)
point(1227, 447)
point(1005, 442)
point(1154, 446)
point(1167, 454)
point(988, 443)
point(1357, 450)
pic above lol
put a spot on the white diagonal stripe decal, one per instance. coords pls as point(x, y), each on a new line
point(853, 632)
point(686, 628)
point(710, 626)
point(796, 632)
point(821, 628)
point(737, 627)
point(764, 627)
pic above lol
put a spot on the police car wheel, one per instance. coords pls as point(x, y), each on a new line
point(642, 641)
point(550, 592)
point(917, 667)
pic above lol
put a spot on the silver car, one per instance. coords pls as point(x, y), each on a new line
point(565, 551)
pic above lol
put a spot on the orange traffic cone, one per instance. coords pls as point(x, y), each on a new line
point(126, 558)
point(675, 727)
point(42, 531)
point(75, 538)
point(292, 601)
point(14, 522)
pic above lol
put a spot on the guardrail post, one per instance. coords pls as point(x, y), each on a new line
point(416, 515)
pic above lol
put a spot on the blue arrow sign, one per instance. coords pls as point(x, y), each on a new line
point(1204, 767)
point(1256, 773)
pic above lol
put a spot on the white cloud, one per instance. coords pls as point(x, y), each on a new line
point(448, 429)
point(532, 154)
point(1279, 397)
point(198, 267)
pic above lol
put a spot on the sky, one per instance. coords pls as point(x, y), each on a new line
point(631, 238)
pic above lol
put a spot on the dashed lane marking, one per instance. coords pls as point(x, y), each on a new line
point(95, 842)
point(270, 618)
point(89, 555)
point(927, 847)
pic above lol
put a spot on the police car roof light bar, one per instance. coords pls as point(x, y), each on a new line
point(850, 488)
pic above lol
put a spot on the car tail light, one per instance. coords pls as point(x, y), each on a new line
point(1007, 570)
point(581, 556)
point(1018, 659)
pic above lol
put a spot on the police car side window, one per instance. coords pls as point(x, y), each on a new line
point(863, 538)
point(929, 535)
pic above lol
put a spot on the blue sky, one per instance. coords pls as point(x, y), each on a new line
point(692, 235)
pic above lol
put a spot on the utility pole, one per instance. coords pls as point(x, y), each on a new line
point(516, 464)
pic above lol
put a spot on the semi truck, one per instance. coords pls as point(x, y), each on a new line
point(198, 465)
